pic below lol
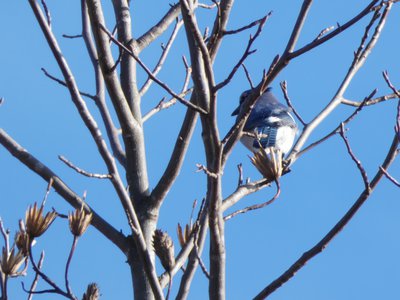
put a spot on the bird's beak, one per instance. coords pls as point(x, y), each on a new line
point(236, 111)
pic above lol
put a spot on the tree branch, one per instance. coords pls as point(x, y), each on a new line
point(256, 206)
point(159, 82)
point(158, 29)
point(354, 158)
point(323, 243)
point(357, 63)
point(83, 172)
point(132, 131)
point(246, 53)
point(114, 235)
point(100, 98)
point(47, 74)
point(283, 85)
point(336, 130)
point(335, 32)
point(184, 91)
point(388, 176)
point(165, 51)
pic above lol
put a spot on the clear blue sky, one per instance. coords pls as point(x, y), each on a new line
point(362, 262)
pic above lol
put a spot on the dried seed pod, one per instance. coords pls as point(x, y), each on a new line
point(268, 162)
point(22, 242)
point(92, 292)
point(164, 248)
point(36, 223)
point(79, 221)
point(11, 262)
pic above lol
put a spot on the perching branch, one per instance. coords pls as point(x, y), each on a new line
point(256, 206)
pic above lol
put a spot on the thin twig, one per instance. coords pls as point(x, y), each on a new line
point(203, 168)
point(388, 176)
point(283, 85)
point(323, 32)
point(354, 158)
point(56, 288)
point(36, 279)
point(47, 11)
point(49, 185)
point(370, 102)
point(240, 178)
point(252, 24)
point(64, 84)
point(397, 93)
point(256, 206)
point(333, 33)
point(202, 5)
point(337, 129)
point(5, 233)
point(246, 53)
point(76, 36)
point(201, 263)
point(248, 76)
point(163, 105)
point(164, 54)
point(83, 172)
point(71, 253)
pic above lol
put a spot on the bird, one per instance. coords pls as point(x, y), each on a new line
point(269, 125)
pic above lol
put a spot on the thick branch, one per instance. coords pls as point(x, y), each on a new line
point(132, 131)
point(159, 28)
point(102, 147)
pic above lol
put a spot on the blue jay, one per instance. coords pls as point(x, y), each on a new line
point(270, 122)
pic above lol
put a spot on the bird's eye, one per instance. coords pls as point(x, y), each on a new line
point(244, 95)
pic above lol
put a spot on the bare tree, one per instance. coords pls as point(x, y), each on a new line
point(115, 53)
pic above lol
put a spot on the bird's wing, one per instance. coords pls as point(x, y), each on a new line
point(278, 116)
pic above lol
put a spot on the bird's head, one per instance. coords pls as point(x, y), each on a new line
point(243, 97)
